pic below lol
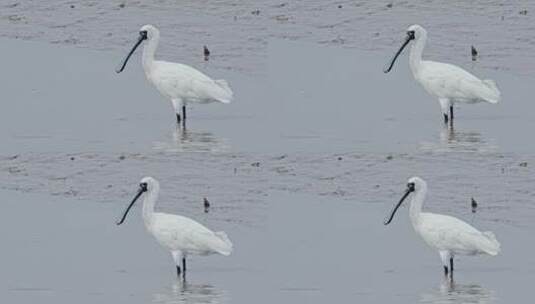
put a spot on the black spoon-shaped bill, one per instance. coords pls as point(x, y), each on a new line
point(410, 189)
point(142, 36)
point(125, 213)
point(389, 66)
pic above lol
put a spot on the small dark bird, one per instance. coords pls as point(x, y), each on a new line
point(474, 53)
point(474, 205)
point(206, 205)
point(206, 53)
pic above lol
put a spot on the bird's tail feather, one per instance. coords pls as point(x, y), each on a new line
point(223, 84)
point(226, 248)
point(493, 246)
point(493, 96)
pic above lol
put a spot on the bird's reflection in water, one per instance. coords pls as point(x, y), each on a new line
point(184, 292)
point(453, 140)
point(185, 140)
point(450, 292)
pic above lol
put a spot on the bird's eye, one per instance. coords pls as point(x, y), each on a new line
point(143, 33)
point(410, 186)
point(143, 186)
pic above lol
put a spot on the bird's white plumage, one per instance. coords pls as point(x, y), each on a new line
point(447, 82)
point(180, 235)
point(180, 83)
point(448, 235)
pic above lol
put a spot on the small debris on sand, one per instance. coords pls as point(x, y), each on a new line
point(206, 205)
point(474, 53)
point(206, 53)
point(474, 205)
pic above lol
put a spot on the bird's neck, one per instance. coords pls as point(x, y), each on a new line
point(148, 205)
point(415, 56)
point(416, 205)
point(149, 50)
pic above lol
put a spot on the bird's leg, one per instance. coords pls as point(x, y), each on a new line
point(451, 267)
point(176, 106)
point(444, 106)
point(184, 112)
point(184, 265)
point(177, 255)
point(444, 256)
point(451, 116)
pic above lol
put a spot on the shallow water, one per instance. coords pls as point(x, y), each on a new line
point(292, 109)
point(338, 251)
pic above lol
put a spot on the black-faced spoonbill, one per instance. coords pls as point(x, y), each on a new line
point(446, 234)
point(447, 82)
point(180, 83)
point(180, 235)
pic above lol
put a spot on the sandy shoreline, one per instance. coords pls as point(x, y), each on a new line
point(238, 33)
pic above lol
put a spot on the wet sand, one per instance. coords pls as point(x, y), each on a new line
point(239, 33)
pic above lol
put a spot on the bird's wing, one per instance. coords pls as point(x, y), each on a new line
point(451, 81)
point(188, 83)
point(449, 233)
point(188, 235)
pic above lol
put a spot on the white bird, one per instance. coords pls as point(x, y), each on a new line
point(180, 235)
point(180, 83)
point(446, 234)
point(447, 82)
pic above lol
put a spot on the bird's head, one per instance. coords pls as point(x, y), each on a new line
point(414, 184)
point(147, 184)
point(150, 183)
point(149, 31)
point(414, 32)
point(146, 32)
